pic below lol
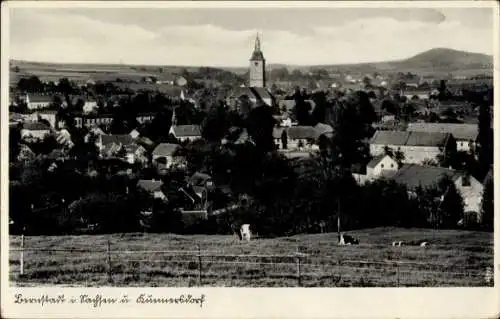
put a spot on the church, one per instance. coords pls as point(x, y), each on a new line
point(256, 93)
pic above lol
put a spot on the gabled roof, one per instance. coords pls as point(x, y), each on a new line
point(322, 128)
point(413, 176)
point(261, 93)
point(150, 185)
point(165, 149)
point(187, 130)
point(376, 160)
point(123, 139)
point(403, 138)
point(459, 131)
point(35, 126)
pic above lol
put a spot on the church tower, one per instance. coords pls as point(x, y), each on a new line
point(257, 66)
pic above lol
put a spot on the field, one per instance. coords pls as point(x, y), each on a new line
point(453, 258)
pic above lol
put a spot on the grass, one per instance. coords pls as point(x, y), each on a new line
point(453, 259)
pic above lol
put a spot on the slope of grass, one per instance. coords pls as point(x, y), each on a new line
point(454, 258)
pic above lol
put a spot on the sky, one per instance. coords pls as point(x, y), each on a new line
point(225, 36)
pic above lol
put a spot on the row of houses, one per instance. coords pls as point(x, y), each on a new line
point(423, 142)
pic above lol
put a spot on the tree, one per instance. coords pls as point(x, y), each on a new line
point(14, 140)
point(451, 207)
point(487, 206)
point(399, 157)
point(260, 124)
point(216, 124)
point(485, 139)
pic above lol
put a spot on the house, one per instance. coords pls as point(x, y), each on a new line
point(186, 132)
point(417, 147)
point(47, 115)
point(163, 156)
point(256, 96)
point(121, 146)
point(90, 120)
point(465, 134)
point(35, 130)
point(143, 118)
point(380, 165)
point(415, 94)
point(134, 133)
point(300, 138)
point(37, 101)
point(89, 104)
point(471, 190)
point(152, 187)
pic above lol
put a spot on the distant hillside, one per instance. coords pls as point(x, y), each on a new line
point(440, 60)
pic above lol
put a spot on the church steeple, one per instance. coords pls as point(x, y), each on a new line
point(257, 43)
point(257, 54)
point(257, 66)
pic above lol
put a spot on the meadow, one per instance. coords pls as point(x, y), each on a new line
point(454, 258)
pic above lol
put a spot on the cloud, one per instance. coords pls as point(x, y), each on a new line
point(71, 37)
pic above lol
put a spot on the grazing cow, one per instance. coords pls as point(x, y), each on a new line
point(397, 243)
point(347, 240)
point(246, 234)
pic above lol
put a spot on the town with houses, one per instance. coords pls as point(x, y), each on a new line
point(207, 149)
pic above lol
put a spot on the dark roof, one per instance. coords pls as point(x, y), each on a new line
point(302, 132)
point(257, 55)
point(377, 159)
point(149, 185)
point(123, 139)
point(322, 128)
point(261, 93)
point(187, 130)
point(165, 149)
point(409, 138)
point(459, 131)
point(412, 175)
point(36, 126)
point(37, 98)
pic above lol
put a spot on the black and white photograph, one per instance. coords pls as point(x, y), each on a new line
point(250, 147)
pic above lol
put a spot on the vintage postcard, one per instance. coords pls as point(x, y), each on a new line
point(228, 159)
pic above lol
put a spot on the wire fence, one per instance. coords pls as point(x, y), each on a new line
point(304, 267)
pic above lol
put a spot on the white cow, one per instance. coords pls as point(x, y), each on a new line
point(246, 234)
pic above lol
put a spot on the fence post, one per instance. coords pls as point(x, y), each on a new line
point(397, 273)
point(21, 257)
point(298, 268)
point(199, 265)
point(110, 277)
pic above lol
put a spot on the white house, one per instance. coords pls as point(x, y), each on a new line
point(379, 165)
point(417, 147)
point(163, 156)
point(465, 134)
point(35, 130)
point(36, 101)
point(471, 190)
point(186, 132)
